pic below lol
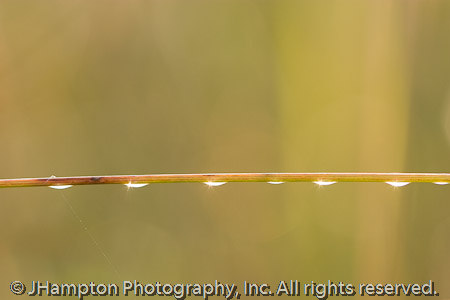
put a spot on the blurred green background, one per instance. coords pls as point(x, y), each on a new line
point(140, 87)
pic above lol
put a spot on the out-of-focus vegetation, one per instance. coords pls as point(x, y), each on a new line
point(109, 87)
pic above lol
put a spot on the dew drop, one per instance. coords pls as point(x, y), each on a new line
point(321, 182)
point(214, 183)
point(397, 183)
point(275, 182)
point(60, 187)
point(441, 183)
point(135, 185)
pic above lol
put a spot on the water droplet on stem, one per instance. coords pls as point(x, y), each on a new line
point(214, 183)
point(397, 183)
point(135, 185)
point(60, 187)
point(321, 182)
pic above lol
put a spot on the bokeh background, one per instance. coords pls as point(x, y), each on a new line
point(140, 87)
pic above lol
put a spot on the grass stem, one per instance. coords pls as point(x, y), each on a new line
point(439, 178)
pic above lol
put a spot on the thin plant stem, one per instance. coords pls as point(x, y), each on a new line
point(228, 177)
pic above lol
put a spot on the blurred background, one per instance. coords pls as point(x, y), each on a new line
point(141, 87)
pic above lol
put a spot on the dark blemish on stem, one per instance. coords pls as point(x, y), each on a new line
point(96, 179)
